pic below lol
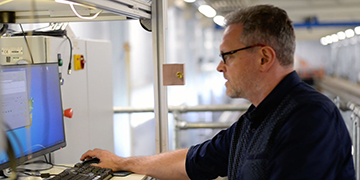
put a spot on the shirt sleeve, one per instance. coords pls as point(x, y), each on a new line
point(209, 159)
point(313, 144)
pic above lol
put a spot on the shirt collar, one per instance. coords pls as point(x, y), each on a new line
point(273, 99)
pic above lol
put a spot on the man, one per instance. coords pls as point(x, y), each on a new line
point(290, 131)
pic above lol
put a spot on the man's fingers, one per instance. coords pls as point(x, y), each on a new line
point(88, 154)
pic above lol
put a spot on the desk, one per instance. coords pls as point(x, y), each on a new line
point(58, 169)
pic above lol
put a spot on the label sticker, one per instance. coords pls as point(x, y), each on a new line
point(12, 51)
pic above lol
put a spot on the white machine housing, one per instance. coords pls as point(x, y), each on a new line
point(89, 92)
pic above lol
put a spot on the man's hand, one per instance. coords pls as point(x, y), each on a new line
point(169, 165)
point(107, 159)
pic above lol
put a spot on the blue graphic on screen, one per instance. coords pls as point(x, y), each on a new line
point(32, 109)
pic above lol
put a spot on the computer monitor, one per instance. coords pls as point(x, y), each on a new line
point(31, 110)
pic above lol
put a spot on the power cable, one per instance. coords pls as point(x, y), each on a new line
point(3, 29)
point(27, 44)
point(71, 49)
point(54, 33)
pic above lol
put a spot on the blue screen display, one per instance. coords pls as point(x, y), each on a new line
point(31, 109)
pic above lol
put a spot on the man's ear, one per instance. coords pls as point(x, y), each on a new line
point(268, 57)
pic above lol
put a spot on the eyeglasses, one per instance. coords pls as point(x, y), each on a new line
point(222, 55)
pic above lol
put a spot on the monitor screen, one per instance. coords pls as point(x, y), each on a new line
point(31, 110)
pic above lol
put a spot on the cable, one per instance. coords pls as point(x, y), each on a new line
point(37, 174)
point(54, 33)
point(43, 27)
point(82, 17)
point(65, 166)
point(3, 29)
point(46, 159)
point(71, 49)
point(27, 44)
point(50, 158)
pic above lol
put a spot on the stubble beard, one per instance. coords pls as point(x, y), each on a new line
point(242, 89)
point(234, 91)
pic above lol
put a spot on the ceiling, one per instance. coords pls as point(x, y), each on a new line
point(312, 19)
point(326, 17)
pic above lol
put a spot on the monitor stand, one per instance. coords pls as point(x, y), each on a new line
point(29, 168)
point(35, 166)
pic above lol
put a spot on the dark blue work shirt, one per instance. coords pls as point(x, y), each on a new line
point(295, 133)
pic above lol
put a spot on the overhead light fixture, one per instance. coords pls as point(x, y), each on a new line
point(334, 38)
point(349, 33)
point(219, 20)
point(71, 4)
point(207, 10)
point(189, 1)
point(329, 39)
point(357, 30)
point(341, 35)
point(323, 41)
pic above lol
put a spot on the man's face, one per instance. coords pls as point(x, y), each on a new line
point(239, 69)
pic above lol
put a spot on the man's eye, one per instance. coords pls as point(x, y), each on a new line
point(227, 57)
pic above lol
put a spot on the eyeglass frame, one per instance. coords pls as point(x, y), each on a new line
point(222, 55)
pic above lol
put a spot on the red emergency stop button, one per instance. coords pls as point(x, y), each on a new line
point(68, 113)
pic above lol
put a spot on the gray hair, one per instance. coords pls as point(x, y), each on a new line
point(267, 25)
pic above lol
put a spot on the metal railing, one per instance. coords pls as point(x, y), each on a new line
point(183, 124)
point(184, 109)
point(176, 110)
point(355, 117)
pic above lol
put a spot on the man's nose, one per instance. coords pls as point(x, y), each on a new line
point(220, 66)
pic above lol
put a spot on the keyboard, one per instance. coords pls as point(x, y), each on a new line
point(84, 171)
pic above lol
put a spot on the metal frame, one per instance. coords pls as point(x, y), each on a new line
point(158, 20)
point(47, 16)
point(355, 117)
point(184, 109)
point(58, 12)
point(129, 8)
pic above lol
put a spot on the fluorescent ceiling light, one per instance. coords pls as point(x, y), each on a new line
point(207, 10)
point(334, 38)
point(219, 20)
point(329, 39)
point(189, 1)
point(341, 35)
point(357, 30)
point(323, 41)
point(349, 33)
